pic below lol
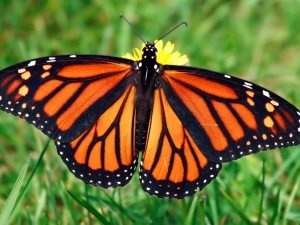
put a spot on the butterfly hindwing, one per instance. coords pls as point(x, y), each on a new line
point(172, 165)
point(104, 154)
point(229, 117)
point(63, 95)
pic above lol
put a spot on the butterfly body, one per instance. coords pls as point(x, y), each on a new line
point(103, 111)
point(147, 71)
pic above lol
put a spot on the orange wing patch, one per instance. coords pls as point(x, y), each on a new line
point(60, 99)
point(162, 168)
point(231, 123)
point(246, 115)
point(95, 157)
point(6, 80)
point(278, 118)
point(13, 87)
point(46, 89)
point(171, 155)
point(91, 70)
point(83, 147)
point(207, 86)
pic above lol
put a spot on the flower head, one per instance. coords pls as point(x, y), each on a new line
point(165, 54)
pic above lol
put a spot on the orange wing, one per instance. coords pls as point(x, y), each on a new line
point(173, 165)
point(63, 95)
point(104, 154)
point(228, 117)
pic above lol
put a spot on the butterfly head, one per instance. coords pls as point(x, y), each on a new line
point(149, 52)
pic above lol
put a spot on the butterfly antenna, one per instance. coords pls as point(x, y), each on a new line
point(170, 31)
point(133, 28)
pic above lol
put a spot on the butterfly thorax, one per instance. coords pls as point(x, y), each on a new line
point(145, 89)
point(148, 65)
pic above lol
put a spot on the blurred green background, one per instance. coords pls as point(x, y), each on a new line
point(254, 39)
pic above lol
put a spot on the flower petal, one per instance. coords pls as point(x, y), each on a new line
point(165, 54)
point(169, 47)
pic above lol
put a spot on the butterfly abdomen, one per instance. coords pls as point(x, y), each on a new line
point(141, 131)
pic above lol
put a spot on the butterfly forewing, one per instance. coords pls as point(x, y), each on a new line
point(228, 117)
point(63, 95)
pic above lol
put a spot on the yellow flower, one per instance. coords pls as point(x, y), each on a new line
point(165, 54)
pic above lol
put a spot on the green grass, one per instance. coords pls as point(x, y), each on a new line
point(256, 40)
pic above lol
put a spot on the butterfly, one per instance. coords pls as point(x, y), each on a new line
point(185, 122)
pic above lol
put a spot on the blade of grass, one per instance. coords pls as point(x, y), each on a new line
point(237, 209)
point(277, 206)
point(191, 211)
point(290, 200)
point(122, 219)
point(86, 193)
point(283, 168)
point(261, 207)
point(213, 202)
point(91, 209)
point(25, 188)
point(71, 210)
point(12, 200)
point(40, 207)
point(114, 205)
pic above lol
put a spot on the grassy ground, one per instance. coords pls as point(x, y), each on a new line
point(256, 40)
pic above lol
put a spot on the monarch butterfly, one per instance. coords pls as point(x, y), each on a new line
point(103, 111)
